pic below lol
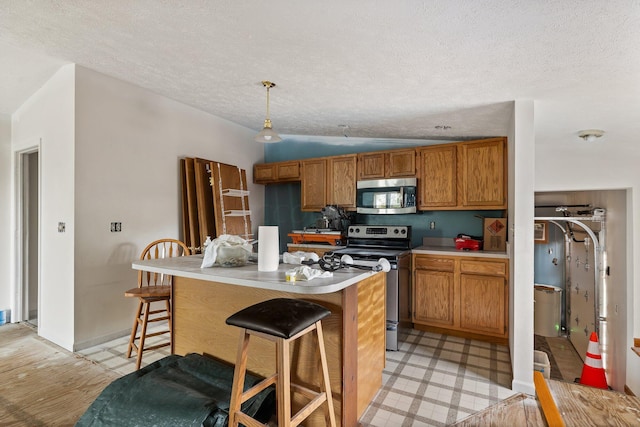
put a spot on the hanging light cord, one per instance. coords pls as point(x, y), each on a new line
point(268, 89)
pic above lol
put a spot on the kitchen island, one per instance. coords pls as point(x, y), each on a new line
point(354, 333)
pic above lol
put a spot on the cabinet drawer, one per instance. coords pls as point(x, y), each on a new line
point(491, 268)
point(430, 263)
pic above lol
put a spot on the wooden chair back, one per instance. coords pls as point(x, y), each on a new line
point(161, 248)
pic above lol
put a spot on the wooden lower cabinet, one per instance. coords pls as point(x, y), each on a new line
point(433, 296)
point(461, 295)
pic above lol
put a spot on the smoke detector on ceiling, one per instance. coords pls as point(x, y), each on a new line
point(590, 135)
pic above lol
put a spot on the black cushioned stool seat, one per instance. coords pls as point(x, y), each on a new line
point(282, 320)
point(280, 317)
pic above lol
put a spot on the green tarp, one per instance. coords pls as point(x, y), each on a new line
point(193, 390)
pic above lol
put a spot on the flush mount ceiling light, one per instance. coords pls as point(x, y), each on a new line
point(267, 134)
point(590, 135)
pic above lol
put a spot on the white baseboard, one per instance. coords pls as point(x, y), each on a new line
point(100, 340)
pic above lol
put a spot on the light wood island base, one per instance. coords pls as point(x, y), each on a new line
point(354, 337)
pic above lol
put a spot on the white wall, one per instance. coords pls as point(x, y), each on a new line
point(520, 226)
point(5, 212)
point(128, 145)
point(600, 166)
point(48, 116)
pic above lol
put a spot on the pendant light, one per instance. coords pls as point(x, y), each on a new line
point(267, 134)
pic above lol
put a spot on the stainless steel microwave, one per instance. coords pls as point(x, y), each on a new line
point(386, 196)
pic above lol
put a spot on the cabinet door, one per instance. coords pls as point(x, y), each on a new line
point(341, 182)
point(482, 304)
point(483, 174)
point(371, 165)
point(438, 177)
point(313, 188)
point(433, 298)
point(264, 173)
point(401, 164)
point(287, 171)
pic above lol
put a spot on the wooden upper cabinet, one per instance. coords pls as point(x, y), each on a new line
point(341, 181)
point(272, 173)
point(401, 163)
point(314, 189)
point(264, 173)
point(464, 175)
point(371, 165)
point(289, 171)
point(483, 174)
point(387, 164)
point(438, 176)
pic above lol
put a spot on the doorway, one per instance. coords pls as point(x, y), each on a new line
point(574, 256)
point(28, 207)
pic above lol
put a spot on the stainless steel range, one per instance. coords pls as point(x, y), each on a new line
point(372, 242)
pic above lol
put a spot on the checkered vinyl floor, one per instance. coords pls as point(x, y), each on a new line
point(433, 380)
point(437, 380)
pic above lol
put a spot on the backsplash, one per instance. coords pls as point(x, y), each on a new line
point(282, 208)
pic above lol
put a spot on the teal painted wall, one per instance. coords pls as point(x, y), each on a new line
point(282, 201)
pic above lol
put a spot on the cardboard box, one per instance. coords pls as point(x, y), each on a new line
point(495, 234)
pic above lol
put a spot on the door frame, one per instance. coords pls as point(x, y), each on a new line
point(19, 309)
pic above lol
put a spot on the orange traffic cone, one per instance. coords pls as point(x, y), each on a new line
point(592, 371)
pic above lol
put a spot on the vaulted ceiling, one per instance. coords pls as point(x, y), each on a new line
point(438, 69)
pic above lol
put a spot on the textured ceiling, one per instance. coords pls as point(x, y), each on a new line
point(370, 69)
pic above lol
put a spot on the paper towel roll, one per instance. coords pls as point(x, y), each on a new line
point(268, 248)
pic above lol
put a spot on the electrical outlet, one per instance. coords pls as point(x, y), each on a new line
point(61, 227)
point(432, 225)
point(116, 227)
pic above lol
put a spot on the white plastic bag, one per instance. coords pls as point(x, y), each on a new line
point(236, 244)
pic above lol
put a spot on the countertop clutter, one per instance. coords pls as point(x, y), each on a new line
point(248, 275)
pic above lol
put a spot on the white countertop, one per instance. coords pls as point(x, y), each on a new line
point(452, 251)
point(189, 266)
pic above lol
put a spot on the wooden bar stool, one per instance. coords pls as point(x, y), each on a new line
point(281, 320)
point(153, 289)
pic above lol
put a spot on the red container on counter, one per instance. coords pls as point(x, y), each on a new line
point(466, 243)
